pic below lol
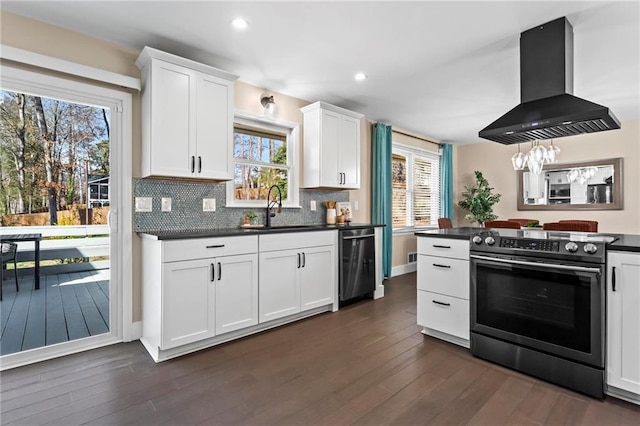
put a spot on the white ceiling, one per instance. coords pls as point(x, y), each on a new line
point(440, 69)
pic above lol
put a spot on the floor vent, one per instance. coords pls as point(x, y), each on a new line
point(412, 257)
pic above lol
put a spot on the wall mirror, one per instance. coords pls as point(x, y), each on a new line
point(589, 185)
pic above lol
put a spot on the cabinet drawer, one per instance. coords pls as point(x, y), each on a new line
point(444, 276)
point(200, 248)
point(444, 247)
point(443, 313)
point(296, 240)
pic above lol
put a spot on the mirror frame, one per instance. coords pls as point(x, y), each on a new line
point(617, 187)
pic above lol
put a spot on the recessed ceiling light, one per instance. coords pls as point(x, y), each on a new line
point(360, 76)
point(239, 24)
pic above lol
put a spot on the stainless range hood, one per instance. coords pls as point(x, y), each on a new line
point(548, 109)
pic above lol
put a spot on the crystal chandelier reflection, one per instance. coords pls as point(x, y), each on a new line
point(536, 157)
point(581, 174)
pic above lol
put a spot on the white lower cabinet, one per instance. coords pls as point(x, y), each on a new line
point(200, 292)
point(623, 325)
point(279, 284)
point(188, 297)
point(443, 288)
point(300, 276)
point(197, 289)
point(219, 294)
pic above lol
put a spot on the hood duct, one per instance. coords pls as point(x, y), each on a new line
point(548, 109)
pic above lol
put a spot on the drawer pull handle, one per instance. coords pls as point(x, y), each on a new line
point(439, 246)
point(613, 278)
point(216, 246)
point(442, 266)
point(441, 303)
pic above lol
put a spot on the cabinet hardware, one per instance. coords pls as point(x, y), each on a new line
point(193, 163)
point(298, 260)
point(441, 303)
point(213, 272)
point(613, 278)
point(219, 271)
point(199, 164)
point(442, 266)
point(439, 246)
point(304, 260)
point(216, 246)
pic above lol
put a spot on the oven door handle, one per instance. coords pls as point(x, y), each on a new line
point(524, 263)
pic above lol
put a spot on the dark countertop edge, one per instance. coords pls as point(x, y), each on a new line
point(624, 242)
point(236, 232)
point(454, 233)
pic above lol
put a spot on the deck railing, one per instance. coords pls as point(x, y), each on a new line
point(63, 242)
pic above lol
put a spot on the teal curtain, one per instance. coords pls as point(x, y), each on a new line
point(381, 176)
point(446, 181)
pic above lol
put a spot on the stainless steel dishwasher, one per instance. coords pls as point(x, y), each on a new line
point(357, 264)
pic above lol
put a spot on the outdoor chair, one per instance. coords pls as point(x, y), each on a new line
point(9, 251)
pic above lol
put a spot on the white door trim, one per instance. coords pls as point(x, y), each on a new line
point(121, 285)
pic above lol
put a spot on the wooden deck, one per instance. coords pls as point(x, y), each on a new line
point(68, 306)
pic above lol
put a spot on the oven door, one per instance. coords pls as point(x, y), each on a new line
point(542, 305)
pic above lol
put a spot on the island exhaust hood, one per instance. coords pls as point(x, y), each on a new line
point(548, 109)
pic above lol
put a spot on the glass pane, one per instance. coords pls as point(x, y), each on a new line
point(252, 182)
point(398, 172)
point(259, 148)
point(399, 209)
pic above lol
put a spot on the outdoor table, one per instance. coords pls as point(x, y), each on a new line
point(36, 240)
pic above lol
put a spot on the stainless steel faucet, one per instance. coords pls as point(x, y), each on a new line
point(272, 203)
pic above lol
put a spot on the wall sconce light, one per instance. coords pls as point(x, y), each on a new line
point(269, 105)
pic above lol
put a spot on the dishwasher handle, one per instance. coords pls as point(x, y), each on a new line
point(358, 237)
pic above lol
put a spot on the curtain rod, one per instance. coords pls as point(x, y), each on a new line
point(414, 136)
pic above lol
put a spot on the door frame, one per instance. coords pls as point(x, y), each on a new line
point(120, 216)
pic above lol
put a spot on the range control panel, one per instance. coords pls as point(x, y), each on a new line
point(530, 244)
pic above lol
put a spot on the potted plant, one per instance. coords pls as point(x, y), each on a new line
point(478, 200)
point(249, 216)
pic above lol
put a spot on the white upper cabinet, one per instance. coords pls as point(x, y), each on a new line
point(187, 118)
point(331, 147)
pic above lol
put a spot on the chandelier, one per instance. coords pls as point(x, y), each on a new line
point(536, 157)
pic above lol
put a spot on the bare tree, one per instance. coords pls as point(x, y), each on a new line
point(48, 142)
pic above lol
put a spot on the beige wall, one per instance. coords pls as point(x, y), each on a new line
point(494, 161)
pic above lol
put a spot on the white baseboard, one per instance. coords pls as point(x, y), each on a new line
point(136, 331)
point(403, 269)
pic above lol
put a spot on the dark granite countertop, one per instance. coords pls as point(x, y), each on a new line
point(234, 232)
point(463, 233)
point(625, 242)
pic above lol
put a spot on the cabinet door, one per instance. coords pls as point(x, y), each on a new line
point(330, 149)
point(188, 297)
point(213, 128)
point(623, 321)
point(171, 103)
point(350, 152)
point(279, 293)
point(236, 292)
point(317, 277)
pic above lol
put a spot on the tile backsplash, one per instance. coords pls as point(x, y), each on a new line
point(186, 207)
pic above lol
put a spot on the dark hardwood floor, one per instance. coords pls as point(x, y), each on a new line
point(366, 364)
